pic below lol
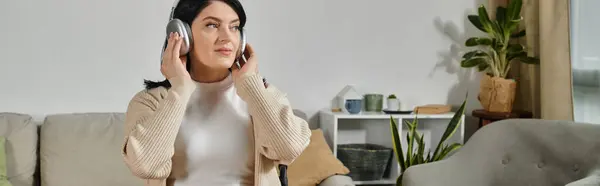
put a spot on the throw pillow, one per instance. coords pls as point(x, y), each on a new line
point(3, 176)
point(315, 164)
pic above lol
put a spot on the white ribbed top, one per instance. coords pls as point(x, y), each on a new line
point(215, 130)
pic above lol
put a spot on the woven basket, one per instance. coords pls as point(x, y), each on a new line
point(365, 161)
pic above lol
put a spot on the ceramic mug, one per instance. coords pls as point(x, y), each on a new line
point(354, 106)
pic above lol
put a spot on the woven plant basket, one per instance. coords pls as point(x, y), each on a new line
point(497, 94)
point(365, 161)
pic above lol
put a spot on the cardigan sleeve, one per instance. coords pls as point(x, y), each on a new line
point(282, 135)
point(152, 122)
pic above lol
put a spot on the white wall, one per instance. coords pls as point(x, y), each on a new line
point(62, 56)
point(585, 60)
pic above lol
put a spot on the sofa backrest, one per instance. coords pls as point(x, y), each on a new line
point(67, 149)
point(83, 149)
point(21, 147)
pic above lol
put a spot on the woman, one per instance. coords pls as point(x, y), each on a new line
point(205, 124)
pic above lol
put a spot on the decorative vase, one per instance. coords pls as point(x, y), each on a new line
point(497, 94)
point(373, 102)
point(393, 104)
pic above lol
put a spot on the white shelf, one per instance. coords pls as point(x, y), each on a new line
point(376, 182)
point(382, 115)
point(367, 127)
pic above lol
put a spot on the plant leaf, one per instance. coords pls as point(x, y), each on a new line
point(421, 151)
point(501, 15)
point(529, 60)
point(475, 53)
point(408, 150)
point(472, 62)
point(513, 15)
point(451, 128)
point(511, 56)
point(470, 54)
point(448, 149)
point(482, 67)
point(474, 41)
point(514, 9)
point(484, 19)
point(414, 158)
point(514, 49)
point(428, 156)
point(411, 141)
point(518, 34)
point(523, 57)
point(496, 44)
point(437, 157)
point(512, 25)
point(409, 124)
point(397, 144)
point(498, 29)
point(474, 19)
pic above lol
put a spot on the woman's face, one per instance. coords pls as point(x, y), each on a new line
point(216, 36)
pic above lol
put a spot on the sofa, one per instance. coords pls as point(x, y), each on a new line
point(512, 152)
point(75, 150)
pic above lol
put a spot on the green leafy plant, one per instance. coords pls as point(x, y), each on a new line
point(496, 52)
point(392, 96)
point(417, 156)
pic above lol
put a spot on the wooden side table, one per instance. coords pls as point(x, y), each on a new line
point(486, 117)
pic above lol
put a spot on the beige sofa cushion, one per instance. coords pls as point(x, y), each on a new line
point(315, 164)
point(84, 149)
point(21, 146)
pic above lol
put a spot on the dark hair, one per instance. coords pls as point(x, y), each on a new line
point(187, 11)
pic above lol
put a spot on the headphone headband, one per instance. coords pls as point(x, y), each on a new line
point(173, 9)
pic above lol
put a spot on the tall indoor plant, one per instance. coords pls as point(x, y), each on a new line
point(415, 153)
point(495, 53)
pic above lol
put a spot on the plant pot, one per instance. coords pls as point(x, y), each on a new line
point(497, 94)
point(393, 104)
point(373, 102)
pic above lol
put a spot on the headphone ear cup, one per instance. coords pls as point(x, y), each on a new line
point(189, 39)
point(184, 30)
point(240, 60)
point(242, 43)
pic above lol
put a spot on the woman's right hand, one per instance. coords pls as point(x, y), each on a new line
point(173, 64)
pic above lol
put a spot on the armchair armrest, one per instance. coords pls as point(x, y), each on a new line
point(337, 180)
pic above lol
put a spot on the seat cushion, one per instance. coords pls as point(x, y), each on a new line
point(84, 149)
point(20, 132)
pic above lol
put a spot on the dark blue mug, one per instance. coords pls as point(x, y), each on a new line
point(354, 106)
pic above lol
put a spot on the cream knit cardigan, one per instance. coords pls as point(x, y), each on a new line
point(153, 152)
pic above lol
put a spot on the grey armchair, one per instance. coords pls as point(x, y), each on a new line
point(518, 152)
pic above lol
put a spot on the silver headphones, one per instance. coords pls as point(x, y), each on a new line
point(184, 30)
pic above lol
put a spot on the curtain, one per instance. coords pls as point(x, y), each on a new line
point(555, 52)
point(545, 89)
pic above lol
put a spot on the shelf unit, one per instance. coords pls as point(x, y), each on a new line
point(369, 127)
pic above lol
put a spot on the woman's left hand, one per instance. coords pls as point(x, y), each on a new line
point(250, 67)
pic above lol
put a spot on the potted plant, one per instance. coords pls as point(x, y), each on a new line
point(495, 53)
point(416, 155)
point(393, 104)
